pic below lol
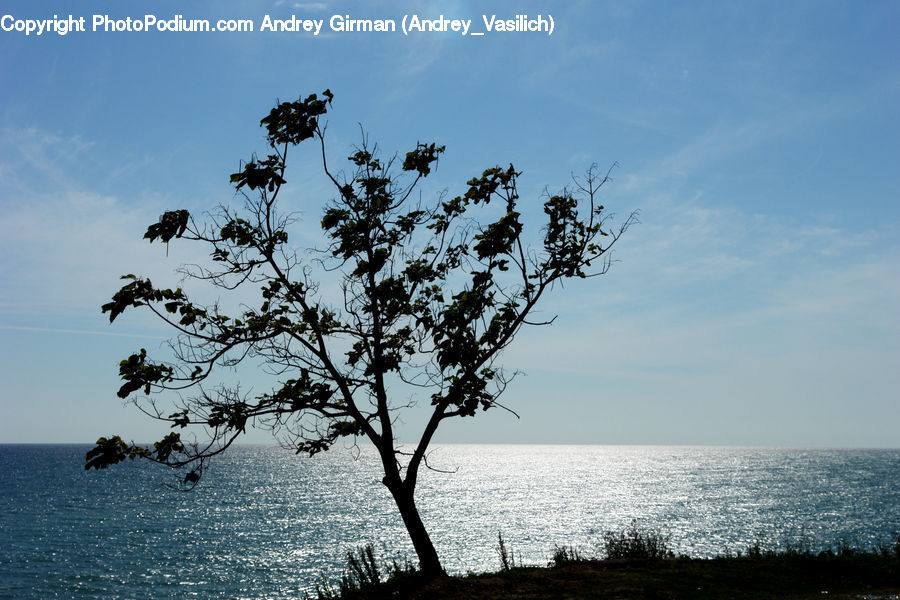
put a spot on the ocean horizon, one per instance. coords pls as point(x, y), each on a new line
point(264, 523)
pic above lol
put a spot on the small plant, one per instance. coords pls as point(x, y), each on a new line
point(363, 578)
point(563, 555)
point(397, 571)
point(507, 558)
point(889, 549)
point(632, 542)
point(363, 570)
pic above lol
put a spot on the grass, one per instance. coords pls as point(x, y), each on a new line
point(631, 542)
point(638, 564)
point(507, 556)
point(363, 579)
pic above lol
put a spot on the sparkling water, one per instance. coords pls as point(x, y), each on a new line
point(264, 523)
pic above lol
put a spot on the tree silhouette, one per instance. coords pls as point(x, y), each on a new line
point(430, 294)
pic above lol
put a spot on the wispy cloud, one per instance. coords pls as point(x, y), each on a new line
point(79, 332)
point(310, 6)
point(64, 241)
point(304, 6)
point(839, 305)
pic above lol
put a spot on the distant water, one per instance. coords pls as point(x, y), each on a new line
point(264, 524)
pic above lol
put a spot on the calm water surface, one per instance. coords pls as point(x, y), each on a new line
point(265, 523)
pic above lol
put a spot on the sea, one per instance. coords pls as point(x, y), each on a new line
point(266, 524)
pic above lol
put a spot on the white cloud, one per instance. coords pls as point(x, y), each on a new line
point(310, 6)
point(78, 332)
point(65, 243)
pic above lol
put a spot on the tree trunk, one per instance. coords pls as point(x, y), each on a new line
point(429, 562)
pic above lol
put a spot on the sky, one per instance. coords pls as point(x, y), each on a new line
point(754, 304)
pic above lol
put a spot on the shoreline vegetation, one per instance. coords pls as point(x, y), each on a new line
point(634, 563)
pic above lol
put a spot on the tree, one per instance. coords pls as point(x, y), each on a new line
point(431, 295)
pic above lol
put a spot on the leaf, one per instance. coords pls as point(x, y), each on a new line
point(171, 224)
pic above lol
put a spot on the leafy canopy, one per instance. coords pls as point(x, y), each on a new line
point(430, 294)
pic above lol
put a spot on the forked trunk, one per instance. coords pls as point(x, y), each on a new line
point(429, 562)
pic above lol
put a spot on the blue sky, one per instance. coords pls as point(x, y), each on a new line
point(755, 304)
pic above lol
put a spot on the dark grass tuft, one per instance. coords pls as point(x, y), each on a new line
point(634, 543)
point(363, 579)
point(638, 564)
